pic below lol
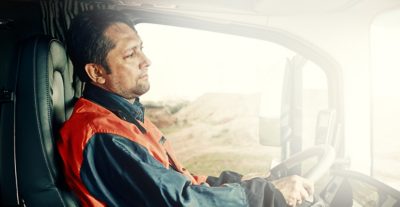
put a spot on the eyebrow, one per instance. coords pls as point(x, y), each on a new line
point(132, 48)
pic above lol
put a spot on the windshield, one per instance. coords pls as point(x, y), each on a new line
point(228, 99)
point(218, 98)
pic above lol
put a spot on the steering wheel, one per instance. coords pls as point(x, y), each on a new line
point(325, 153)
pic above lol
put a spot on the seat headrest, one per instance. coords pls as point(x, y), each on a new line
point(45, 98)
point(60, 81)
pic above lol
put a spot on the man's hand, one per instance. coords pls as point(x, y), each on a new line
point(295, 189)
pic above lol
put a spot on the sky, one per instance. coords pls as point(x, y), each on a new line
point(187, 63)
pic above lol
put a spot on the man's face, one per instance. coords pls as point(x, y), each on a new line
point(127, 62)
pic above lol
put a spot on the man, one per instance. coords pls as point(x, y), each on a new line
point(114, 156)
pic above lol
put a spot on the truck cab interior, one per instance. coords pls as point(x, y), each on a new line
point(327, 41)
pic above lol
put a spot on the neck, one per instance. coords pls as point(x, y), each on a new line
point(132, 100)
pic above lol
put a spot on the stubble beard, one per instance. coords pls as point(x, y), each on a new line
point(139, 90)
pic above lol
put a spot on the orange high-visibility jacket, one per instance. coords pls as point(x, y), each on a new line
point(112, 157)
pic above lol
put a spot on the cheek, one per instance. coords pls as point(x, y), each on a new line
point(130, 76)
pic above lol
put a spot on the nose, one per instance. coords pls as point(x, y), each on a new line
point(146, 62)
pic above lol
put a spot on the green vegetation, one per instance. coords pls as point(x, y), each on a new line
point(214, 163)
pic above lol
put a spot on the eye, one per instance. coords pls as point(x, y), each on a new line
point(133, 52)
point(129, 55)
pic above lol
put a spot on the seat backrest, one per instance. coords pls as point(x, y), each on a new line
point(44, 100)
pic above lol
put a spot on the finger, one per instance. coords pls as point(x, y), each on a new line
point(299, 202)
point(304, 194)
point(296, 199)
point(309, 186)
point(292, 201)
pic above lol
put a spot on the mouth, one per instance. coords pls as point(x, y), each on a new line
point(145, 76)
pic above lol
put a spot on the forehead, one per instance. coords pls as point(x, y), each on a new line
point(121, 32)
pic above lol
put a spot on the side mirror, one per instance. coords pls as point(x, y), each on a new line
point(325, 127)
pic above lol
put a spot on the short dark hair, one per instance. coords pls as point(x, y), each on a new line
point(86, 40)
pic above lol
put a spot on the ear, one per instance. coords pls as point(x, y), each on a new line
point(95, 72)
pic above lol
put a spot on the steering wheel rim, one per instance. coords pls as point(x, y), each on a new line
point(326, 154)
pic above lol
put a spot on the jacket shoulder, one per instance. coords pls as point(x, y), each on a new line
point(89, 118)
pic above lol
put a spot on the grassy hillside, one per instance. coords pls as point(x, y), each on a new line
point(218, 132)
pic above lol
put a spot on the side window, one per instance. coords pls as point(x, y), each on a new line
point(214, 95)
point(385, 47)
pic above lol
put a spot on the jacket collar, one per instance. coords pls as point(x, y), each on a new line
point(115, 103)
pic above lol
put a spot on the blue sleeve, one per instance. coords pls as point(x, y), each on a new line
point(120, 173)
point(224, 177)
point(259, 191)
